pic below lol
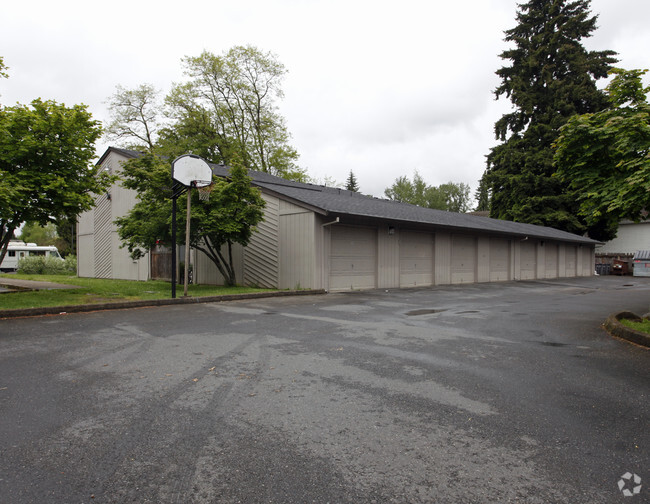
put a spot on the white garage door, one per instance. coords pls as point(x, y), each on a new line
point(353, 258)
point(463, 259)
point(550, 259)
point(570, 260)
point(528, 263)
point(415, 259)
point(499, 259)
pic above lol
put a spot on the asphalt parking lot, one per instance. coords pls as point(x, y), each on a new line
point(481, 393)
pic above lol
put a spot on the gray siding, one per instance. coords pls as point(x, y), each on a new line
point(442, 254)
point(297, 247)
point(99, 249)
point(388, 257)
point(261, 256)
point(570, 260)
point(207, 273)
point(102, 249)
point(588, 261)
point(630, 237)
point(86, 245)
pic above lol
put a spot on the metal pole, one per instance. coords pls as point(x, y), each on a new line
point(173, 247)
point(187, 241)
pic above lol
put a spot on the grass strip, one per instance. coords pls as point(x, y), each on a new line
point(101, 290)
point(643, 326)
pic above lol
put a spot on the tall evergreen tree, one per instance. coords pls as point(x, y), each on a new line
point(551, 78)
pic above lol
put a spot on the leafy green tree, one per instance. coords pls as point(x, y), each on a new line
point(226, 109)
point(136, 116)
point(551, 78)
point(415, 192)
point(66, 236)
point(605, 156)
point(33, 232)
point(351, 184)
point(456, 196)
point(453, 197)
point(230, 216)
point(230, 103)
point(46, 172)
point(3, 69)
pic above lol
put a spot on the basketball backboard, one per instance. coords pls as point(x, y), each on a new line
point(190, 169)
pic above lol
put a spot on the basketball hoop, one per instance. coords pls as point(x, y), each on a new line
point(204, 192)
point(190, 171)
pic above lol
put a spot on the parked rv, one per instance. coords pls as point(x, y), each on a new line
point(19, 250)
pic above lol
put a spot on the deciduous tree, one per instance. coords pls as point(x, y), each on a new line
point(46, 172)
point(233, 98)
point(3, 69)
point(453, 197)
point(230, 216)
point(32, 232)
point(136, 116)
point(605, 156)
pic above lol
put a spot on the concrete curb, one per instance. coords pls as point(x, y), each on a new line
point(122, 305)
point(615, 328)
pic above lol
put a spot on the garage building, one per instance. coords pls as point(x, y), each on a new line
point(320, 237)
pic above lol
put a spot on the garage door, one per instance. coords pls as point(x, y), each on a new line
point(499, 260)
point(463, 259)
point(415, 259)
point(570, 260)
point(550, 260)
point(353, 258)
point(528, 263)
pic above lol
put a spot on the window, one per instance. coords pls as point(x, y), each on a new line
point(11, 253)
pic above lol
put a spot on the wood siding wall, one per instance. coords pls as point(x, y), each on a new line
point(297, 247)
point(261, 256)
point(102, 244)
point(99, 252)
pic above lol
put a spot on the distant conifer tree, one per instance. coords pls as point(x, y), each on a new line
point(351, 183)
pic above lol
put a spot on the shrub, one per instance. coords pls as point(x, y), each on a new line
point(40, 265)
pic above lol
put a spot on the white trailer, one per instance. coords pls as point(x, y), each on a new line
point(19, 250)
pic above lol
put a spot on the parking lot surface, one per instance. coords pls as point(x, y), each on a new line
point(481, 393)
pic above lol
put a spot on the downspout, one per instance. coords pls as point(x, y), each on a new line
point(326, 257)
point(335, 221)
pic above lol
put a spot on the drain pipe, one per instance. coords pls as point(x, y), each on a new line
point(326, 257)
point(335, 221)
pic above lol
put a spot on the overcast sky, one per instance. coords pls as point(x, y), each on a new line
point(379, 88)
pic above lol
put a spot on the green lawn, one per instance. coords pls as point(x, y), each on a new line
point(643, 326)
point(99, 290)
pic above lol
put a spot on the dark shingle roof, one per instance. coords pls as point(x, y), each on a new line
point(124, 152)
point(335, 202)
point(339, 202)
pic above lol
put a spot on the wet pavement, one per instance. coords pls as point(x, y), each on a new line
point(481, 393)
